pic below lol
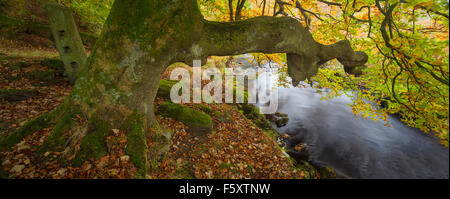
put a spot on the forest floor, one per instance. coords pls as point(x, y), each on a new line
point(235, 149)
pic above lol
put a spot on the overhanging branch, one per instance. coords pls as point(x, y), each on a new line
point(275, 35)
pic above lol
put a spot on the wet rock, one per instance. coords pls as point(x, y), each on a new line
point(280, 119)
point(300, 147)
point(282, 122)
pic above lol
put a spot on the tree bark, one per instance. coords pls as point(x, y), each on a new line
point(118, 84)
point(239, 6)
point(230, 8)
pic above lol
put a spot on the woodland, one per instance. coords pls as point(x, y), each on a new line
point(85, 84)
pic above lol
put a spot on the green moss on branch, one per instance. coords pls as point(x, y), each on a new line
point(65, 121)
point(36, 124)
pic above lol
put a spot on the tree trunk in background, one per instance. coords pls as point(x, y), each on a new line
point(239, 6)
point(67, 39)
point(230, 8)
point(118, 84)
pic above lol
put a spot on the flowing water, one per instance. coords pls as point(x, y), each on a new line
point(356, 148)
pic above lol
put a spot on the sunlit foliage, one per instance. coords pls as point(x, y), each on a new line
point(92, 13)
point(407, 42)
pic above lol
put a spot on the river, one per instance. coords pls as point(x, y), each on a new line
point(355, 148)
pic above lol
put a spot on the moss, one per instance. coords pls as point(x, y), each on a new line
point(43, 76)
point(160, 139)
point(136, 142)
point(220, 116)
point(197, 121)
point(205, 109)
point(164, 88)
point(55, 64)
point(272, 134)
point(309, 171)
point(30, 127)
point(88, 39)
point(17, 95)
point(93, 144)
point(282, 122)
point(251, 112)
point(65, 121)
point(225, 166)
point(278, 114)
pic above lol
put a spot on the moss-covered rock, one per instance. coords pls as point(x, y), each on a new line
point(252, 113)
point(282, 122)
point(13, 95)
point(278, 114)
point(164, 88)
point(197, 121)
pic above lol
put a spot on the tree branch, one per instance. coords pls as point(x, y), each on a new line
point(276, 35)
point(329, 3)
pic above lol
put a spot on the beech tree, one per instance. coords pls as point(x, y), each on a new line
point(117, 86)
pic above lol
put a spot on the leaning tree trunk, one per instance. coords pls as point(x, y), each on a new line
point(118, 84)
point(67, 39)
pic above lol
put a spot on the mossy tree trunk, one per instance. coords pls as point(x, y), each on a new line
point(67, 39)
point(118, 84)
